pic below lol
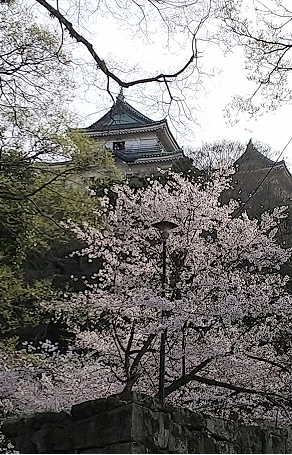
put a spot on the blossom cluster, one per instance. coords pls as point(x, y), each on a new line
point(224, 307)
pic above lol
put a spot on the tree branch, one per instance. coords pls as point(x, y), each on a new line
point(128, 352)
point(133, 375)
point(4, 194)
point(185, 379)
point(161, 78)
point(213, 382)
point(142, 351)
point(270, 362)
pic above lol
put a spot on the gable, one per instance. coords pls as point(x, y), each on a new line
point(121, 116)
point(252, 159)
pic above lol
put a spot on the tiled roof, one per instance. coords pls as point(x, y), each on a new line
point(252, 159)
point(132, 154)
point(122, 116)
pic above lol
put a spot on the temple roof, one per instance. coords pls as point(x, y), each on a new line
point(252, 159)
point(122, 116)
point(259, 183)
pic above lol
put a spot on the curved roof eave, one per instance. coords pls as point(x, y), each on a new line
point(172, 157)
point(124, 129)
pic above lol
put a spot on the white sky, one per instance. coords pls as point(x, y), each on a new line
point(272, 128)
point(119, 43)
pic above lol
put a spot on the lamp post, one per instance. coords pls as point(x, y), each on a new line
point(164, 228)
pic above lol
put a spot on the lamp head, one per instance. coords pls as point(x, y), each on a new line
point(165, 227)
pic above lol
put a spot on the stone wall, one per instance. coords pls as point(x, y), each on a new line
point(135, 423)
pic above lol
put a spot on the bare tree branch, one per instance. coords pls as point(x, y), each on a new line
point(161, 78)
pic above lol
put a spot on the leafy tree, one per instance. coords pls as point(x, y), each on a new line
point(36, 86)
point(224, 307)
point(42, 162)
point(36, 199)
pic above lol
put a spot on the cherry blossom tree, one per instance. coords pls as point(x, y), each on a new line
point(225, 308)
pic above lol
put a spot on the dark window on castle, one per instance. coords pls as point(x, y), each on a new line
point(119, 145)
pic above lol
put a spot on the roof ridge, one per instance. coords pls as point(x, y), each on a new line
point(133, 109)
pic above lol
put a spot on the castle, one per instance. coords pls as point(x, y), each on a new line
point(140, 145)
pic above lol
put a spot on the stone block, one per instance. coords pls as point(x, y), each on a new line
point(115, 401)
point(227, 447)
point(188, 419)
point(40, 418)
point(288, 441)
point(151, 403)
point(135, 423)
point(274, 441)
point(88, 409)
point(27, 446)
point(251, 439)
point(150, 428)
point(12, 426)
point(42, 439)
point(127, 447)
point(113, 426)
point(141, 423)
point(179, 439)
point(201, 442)
point(222, 429)
point(61, 439)
point(161, 433)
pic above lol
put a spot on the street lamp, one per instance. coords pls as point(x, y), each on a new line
point(164, 228)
